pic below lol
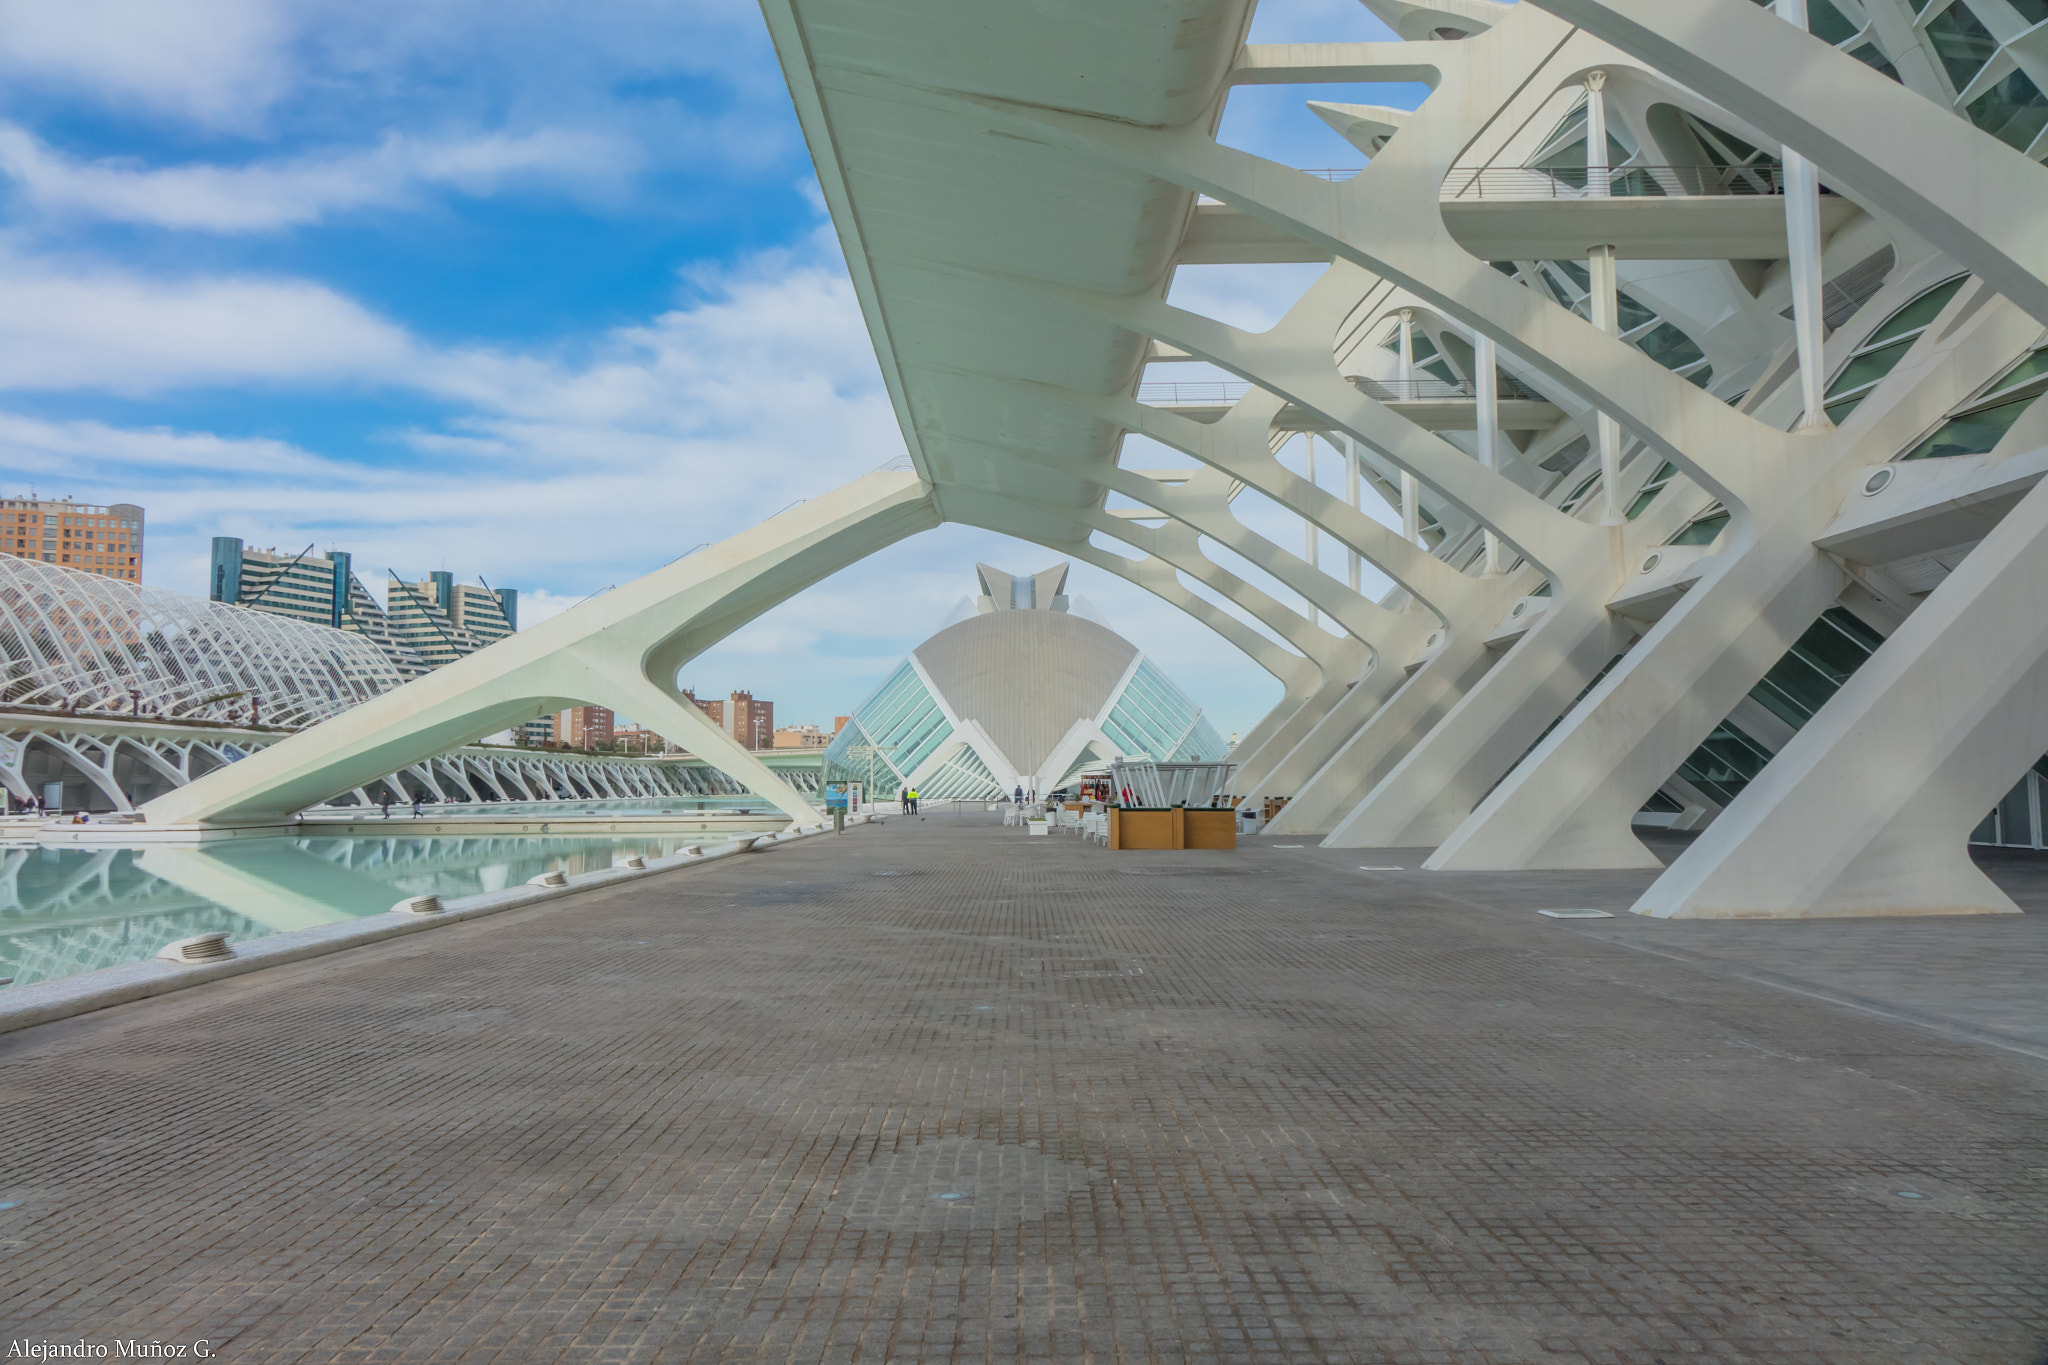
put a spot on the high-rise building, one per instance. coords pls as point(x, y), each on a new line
point(713, 709)
point(98, 540)
point(751, 723)
point(583, 727)
point(318, 589)
point(748, 721)
point(444, 620)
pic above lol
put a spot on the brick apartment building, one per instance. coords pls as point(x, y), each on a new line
point(750, 721)
point(98, 540)
point(583, 727)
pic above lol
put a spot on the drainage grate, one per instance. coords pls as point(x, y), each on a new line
point(418, 905)
point(556, 877)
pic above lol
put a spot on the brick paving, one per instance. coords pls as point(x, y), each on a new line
point(1025, 1100)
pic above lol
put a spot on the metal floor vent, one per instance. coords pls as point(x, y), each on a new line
point(634, 861)
point(418, 905)
point(198, 948)
point(554, 877)
point(694, 851)
point(1576, 914)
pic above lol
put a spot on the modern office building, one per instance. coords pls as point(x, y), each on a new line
point(443, 620)
point(104, 541)
point(1023, 690)
point(318, 589)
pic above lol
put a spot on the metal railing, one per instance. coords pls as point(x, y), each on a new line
point(1621, 182)
point(1221, 392)
point(1194, 393)
point(1423, 390)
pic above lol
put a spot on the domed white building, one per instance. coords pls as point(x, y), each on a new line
point(1026, 688)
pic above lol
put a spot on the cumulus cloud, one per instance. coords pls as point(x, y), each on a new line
point(215, 62)
point(292, 191)
point(64, 326)
point(577, 465)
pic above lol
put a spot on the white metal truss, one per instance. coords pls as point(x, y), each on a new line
point(85, 644)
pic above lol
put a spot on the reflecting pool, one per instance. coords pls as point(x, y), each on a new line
point(70, 910)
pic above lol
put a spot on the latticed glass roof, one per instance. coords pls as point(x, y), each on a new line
point(101, 646)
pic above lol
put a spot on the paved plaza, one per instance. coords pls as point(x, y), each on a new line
point(940, 1091)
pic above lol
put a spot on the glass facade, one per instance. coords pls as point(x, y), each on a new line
point(1886, 347)
point(1155, 719)
point(895, 729)
point(1798, 685)
point(901, 728)
point(1982, 425)
point(2017, 821)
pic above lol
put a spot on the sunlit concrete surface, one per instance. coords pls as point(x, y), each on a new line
point(1259, 1106)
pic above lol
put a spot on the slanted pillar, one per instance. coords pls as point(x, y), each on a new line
point(1411, 489)
point(1602, 306)
point(1311, 548)
point(1802, 236)
point(1868, 810)
point(1488, 402)
point(1352, 559)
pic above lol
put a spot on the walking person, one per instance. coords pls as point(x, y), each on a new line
point(1020, 793)
point(415, 808)
point(387, 805)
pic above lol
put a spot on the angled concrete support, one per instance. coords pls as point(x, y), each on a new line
point(621, 650)
point(1869, 809)
point(1436, 784)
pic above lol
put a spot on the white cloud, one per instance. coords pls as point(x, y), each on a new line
point(587, 465)
point(215, 62)
point(557, 473)
point(288, 192)
point(95, 328)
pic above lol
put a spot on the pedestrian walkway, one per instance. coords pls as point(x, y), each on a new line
point(944, 1092)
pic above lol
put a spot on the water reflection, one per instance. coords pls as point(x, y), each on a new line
point(65, 910)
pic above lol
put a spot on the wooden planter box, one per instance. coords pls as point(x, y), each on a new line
point(1176, 828)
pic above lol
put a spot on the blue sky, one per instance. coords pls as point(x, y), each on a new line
point(526, 289)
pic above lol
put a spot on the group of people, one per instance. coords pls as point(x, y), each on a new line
point(910, 799)
point(387, 806)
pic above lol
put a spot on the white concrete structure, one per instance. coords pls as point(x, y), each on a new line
point(1025, 689)
point(1641, 583)
point(1693, 357)
point(622, 649)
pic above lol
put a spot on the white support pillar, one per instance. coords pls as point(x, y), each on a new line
point(1411, 489)
point(1802, 236)
point(1602, 306)
point(1310, 546)
point(1488, 403)
point(1351, 481)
